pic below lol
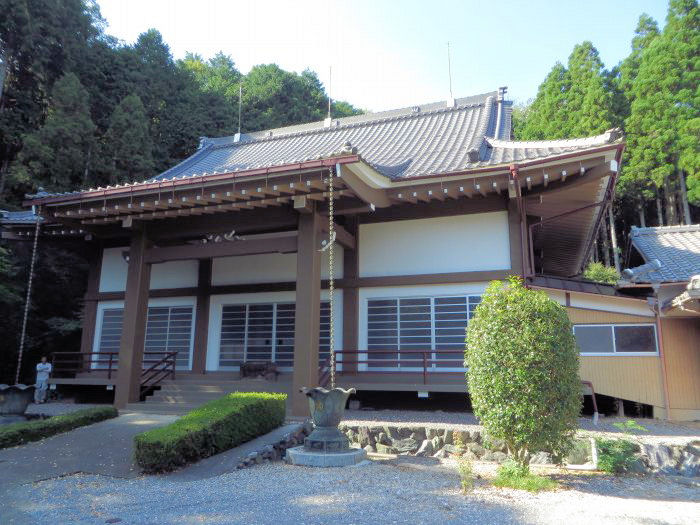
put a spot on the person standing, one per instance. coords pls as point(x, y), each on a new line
point(43, 369)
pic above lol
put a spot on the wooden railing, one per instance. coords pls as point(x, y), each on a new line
point(413, 361)
point(156, 365)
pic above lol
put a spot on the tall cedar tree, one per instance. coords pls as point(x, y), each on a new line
point(572, 101)
point(127, 143)
point(56, 156)
point(664, 120)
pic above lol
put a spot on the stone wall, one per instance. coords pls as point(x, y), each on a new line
point(445, 442)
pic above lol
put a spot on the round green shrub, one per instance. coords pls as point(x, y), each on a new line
point(522, 376)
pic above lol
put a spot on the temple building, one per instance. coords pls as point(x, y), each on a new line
point(218, 265)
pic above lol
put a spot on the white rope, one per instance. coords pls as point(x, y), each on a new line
point(331, 279)
point(27, 300)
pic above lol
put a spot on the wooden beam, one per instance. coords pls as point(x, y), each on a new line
point(201, 326)
point(351, 295)
point(593, 174)
point(134, 325)
point(308, 311)
point(280, 242)
point(89, 320)
point(375, 196)
point(342, 236)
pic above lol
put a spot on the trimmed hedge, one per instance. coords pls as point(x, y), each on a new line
point(209, 429)
point(20, 433)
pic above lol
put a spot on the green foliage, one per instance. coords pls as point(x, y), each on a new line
point(522, 373)
point(465, 470)
point(665, 110)
point(8, 291)
point(20, 433)
point(599, 273)
point(515, 476)
point(56, 155)
point(127, 149)
point(212, 428)
point(573, 101)
point(615, 455)
point(630, 426)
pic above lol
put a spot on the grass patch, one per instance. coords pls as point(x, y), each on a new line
point(24, 432)
point(511, 475)
point(209, 429)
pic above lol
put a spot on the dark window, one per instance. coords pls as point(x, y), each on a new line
point(594, 339)
point(635, 338)
point(616, 339)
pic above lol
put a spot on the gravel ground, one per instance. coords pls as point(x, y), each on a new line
point(407, 490)
point(658, 431)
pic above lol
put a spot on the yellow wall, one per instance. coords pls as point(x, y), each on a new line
point(682, 350)
point(627, 377)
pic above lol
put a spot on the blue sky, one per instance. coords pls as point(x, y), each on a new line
point(387, 54)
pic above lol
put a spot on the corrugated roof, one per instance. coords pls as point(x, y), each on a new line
point(676, 247)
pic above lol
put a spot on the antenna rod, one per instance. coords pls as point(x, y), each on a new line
point(330, 86)
point(240, 105)
point(449, 67)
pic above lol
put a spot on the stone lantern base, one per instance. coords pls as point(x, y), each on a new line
point(314, 458)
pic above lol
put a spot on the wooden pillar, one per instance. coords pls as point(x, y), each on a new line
point(89, 320)
point(351, 298)
point(308, 310)
point(515, 235)
point(201, 326)
point(134, 327)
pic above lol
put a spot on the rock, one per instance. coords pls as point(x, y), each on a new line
point(461, 436)
point(660, 457)
point(498, 457)
point(383, 439)
point(392, 433)
point(405, 432)
point(308, 427)
point(418, 434)
point(638, 466)
point(453, 450)
point(476, 436)
point(385, 449)
point(426, 448)
point(498, 445)
point(405, 445)
point(430, 433)
point(365, 437)
point(447, 436)
point(370, 449)
point(476, 449)
point(440, 454)
point(689, 465)
point(438, 442)
point(541, 458)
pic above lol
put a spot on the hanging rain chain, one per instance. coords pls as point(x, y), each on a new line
point(331, 279)
point(28, 299)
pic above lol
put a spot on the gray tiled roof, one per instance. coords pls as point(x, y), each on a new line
point(400, 144)
point(676, 247)
point(17, 217)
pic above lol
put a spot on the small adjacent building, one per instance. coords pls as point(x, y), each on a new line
point(218, 261)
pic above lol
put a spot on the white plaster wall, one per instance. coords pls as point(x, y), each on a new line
point(557, 295)
point(218, 301)
point(175, 274)
point(267, 268)
point(461, 243)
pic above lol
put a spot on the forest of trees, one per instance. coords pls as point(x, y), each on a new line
point(654, 96)
point(79, 109)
